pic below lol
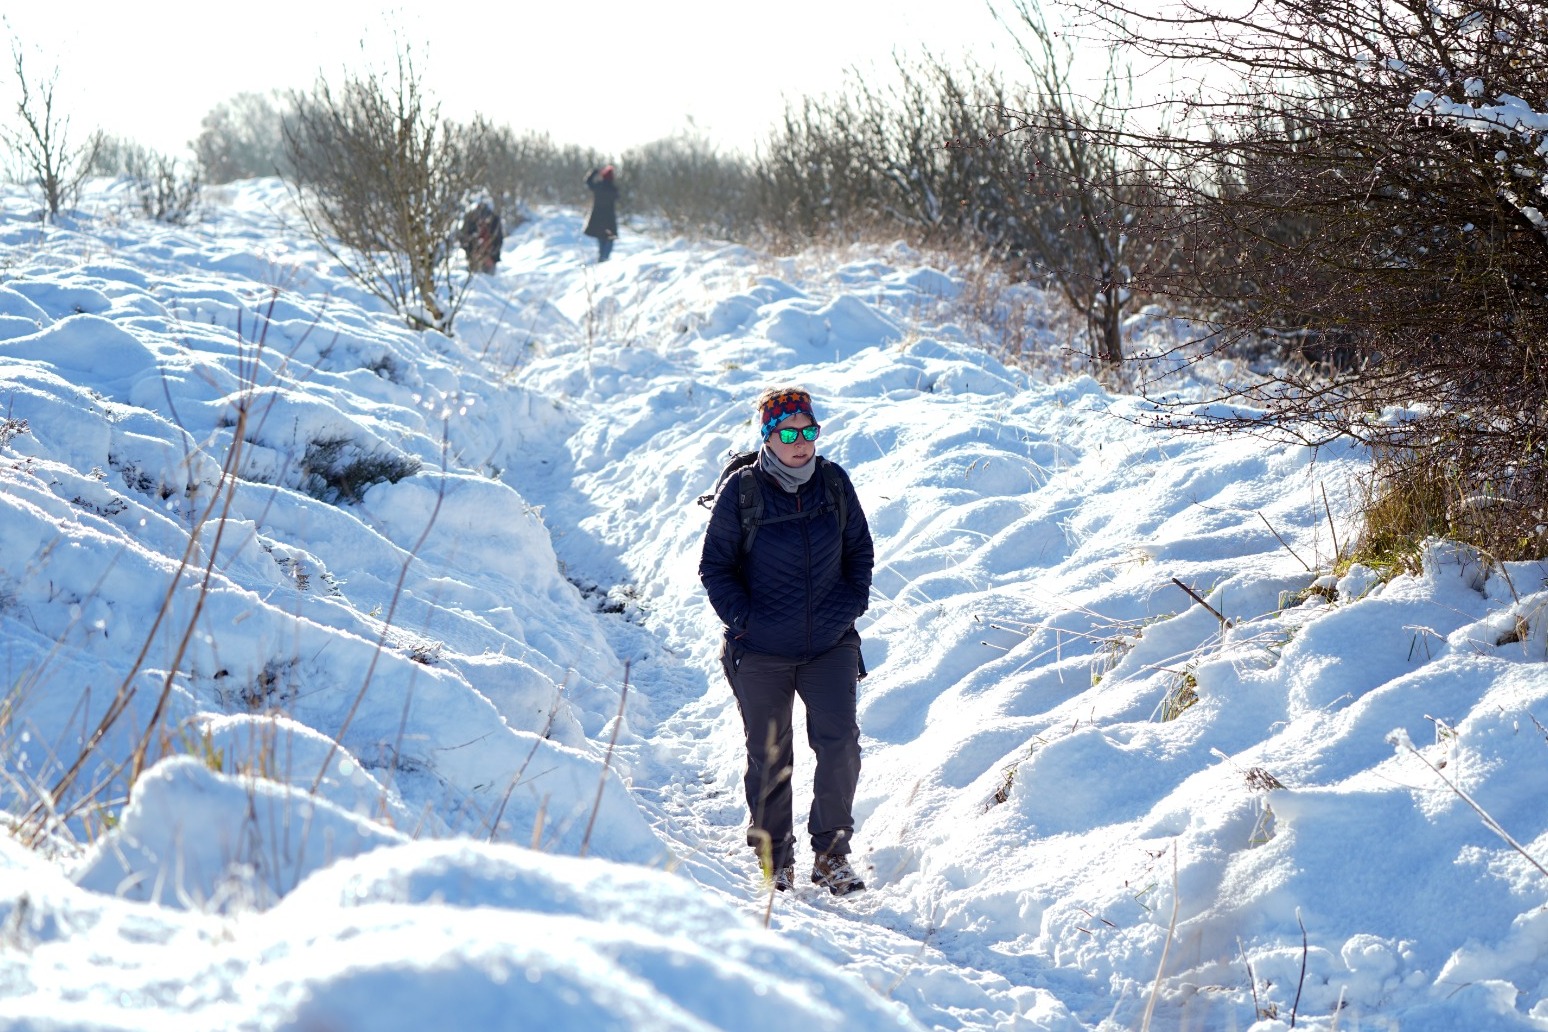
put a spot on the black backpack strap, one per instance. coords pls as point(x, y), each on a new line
point(833, 484)
point(737, 462)
point(749, 505)
point(749, 502)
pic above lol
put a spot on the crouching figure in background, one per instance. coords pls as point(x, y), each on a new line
point(482, 236)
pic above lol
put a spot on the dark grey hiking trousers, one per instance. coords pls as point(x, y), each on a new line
point(765, 688)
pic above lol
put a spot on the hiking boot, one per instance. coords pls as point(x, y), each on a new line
point(835, 873)
point(784, 878)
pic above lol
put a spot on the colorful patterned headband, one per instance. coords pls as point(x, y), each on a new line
point(781, 406)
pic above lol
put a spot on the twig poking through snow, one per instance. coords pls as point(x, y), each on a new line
point(1489, 822)
point(1200, 601)
point(1282, 541)
point(1299, 985)
point(1171, 930)
point(607, 761)
point(1332, 529)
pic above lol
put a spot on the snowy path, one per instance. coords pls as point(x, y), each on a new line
point(684, 753)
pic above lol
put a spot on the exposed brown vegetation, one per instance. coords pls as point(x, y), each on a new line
point(1353, 179)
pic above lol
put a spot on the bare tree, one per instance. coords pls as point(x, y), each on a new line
point(1033, 174)
point(243, 137)
point(383, 181)
point(1376, 171)
point(526, 169)
point(686, 180)
point(1083, 190)
point(880, 156)
point(41, 145)
point(814, 169)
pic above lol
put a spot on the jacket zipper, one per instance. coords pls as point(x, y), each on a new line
point(806, 542)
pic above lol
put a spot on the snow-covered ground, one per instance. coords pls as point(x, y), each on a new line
point(408, 632)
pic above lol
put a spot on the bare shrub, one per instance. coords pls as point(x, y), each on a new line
point(805, 168)
point(879, 156)
point(819, 172)
point(164, 189)
point(685, 180)
point(1375, 171)
point(383, 181)
point(1029, 174)
point(528, 169)
point(41, 147)
point(167, 192)
point(338, 471)
point(243, 137)
point(1076, 219)
point(113, 155)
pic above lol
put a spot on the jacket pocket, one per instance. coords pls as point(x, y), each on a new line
point(730, 660)
point(852, 638)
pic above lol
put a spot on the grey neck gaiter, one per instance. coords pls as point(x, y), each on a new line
point(788, 477)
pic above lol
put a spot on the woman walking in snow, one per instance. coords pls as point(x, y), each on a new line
point(603, 223)
point(787, 561)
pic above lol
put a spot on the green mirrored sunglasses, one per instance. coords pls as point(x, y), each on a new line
point(788, 434)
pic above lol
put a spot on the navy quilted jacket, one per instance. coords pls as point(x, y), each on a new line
point(803, 584)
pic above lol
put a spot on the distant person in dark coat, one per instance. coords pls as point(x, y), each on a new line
point(603, 223)
point(788, 600)
point(482, 236)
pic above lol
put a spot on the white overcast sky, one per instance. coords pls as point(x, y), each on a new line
point(606, 74)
